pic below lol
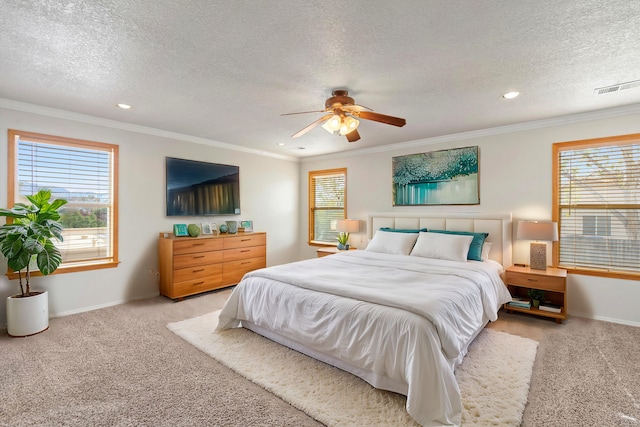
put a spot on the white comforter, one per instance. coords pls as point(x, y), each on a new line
point(406, 318)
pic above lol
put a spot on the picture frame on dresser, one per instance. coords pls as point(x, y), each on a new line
point(247, 226)
point(180, 230)
point(206, 228)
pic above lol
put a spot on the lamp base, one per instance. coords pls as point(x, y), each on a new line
point(538, 256)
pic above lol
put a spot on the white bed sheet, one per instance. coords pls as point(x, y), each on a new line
point(406, 319)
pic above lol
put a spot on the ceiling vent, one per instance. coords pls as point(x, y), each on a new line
point(617, 88)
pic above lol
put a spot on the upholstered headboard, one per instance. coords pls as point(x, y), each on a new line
point(497, 225)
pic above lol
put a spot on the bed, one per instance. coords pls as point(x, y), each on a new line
point(400, 314)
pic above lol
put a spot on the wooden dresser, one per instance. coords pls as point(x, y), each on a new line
point(191, 265)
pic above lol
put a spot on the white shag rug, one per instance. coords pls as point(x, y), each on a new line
point(493, 378)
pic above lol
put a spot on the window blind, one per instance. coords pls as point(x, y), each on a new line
point(84, 177)
point(327, 197)
point(599, 205)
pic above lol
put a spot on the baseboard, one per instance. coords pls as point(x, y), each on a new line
point(606, 319)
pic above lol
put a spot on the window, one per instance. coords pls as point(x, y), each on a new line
point(85, 174)
point(596, 202)
point(327, 203)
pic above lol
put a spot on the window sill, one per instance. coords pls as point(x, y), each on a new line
point(68, 269)
point(602, 273)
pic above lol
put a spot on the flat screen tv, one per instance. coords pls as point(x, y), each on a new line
point(200, 188)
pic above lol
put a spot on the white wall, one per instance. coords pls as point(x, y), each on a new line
point(269, 197)
point(515, 176)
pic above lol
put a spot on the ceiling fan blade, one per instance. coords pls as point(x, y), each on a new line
point(353, 136)
point(303, 112)
point(311, 126)
point(356, 107)
point(377, 117)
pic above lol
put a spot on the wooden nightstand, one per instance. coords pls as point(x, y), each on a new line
point(329, 251)
point(553, 281)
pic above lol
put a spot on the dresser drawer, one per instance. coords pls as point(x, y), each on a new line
point(191, 245)
point(233, 271)
point(244, 253)
point(245, 241)
point(192, 260)
point(197, 272)
point(536, 282)
point(196, 286)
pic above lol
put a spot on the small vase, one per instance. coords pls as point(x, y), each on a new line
point(536, 303)
point(342, 247)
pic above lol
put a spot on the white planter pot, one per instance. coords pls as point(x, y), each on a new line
point(27, 316)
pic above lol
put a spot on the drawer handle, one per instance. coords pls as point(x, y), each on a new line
point(198, 283)
point(197, 271)
point(197, 244)
point(199, 256)
point(245, 240)
point(246, 250)
point(532, 280)
point(246, 262)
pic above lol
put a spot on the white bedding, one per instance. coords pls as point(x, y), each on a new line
point(409, 319)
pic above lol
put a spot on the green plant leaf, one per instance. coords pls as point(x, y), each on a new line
point(49, 259)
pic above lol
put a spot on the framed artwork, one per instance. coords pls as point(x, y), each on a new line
point(206, 228)
point(247, 225)
point(180, 230)
point(445, 177)
point(214, 227)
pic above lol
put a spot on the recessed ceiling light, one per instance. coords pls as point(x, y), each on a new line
point(281, 144)
point(124, 106)
point(511, 95)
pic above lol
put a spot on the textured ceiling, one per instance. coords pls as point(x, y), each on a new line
point(227, 70)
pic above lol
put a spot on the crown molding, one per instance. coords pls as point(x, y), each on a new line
point(85, 118)
point(518, 127)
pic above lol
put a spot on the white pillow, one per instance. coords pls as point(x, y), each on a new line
point(452, 247)
point(392, 243)
point(486, 248)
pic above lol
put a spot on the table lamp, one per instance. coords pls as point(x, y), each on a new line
point(538, 230)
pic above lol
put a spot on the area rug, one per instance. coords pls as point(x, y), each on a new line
point(493, 378)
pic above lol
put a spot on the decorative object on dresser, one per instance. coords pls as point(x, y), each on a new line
point(180, 230)
point(190, 266)
point(232, 227)
point(346, 227)
point(538, 230)
point(193, 230)
point(552, 283)
point(246, 226)
point(223, 227)
point(206, 228)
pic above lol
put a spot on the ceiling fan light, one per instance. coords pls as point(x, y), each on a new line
point(334, 124)
point(350, 124)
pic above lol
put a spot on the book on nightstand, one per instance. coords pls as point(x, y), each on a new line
point(550, 307)
point(520, 302)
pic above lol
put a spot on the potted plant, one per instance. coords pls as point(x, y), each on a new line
point(28, 239)
point(343, 241)
point(536, 296)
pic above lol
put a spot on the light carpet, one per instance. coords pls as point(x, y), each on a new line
point(493, 378)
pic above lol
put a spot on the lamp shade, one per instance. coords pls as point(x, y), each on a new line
point(348, 225)
point(538, 230)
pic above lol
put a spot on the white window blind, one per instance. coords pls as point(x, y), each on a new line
point(327, 204)
point(599, 205)
point(84, 176)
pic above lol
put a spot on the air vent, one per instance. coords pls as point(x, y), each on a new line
point(617, 88)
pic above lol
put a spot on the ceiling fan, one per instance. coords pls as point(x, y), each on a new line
point(342, 116)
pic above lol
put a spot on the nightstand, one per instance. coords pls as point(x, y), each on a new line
point(553, 281)
point(330, 251)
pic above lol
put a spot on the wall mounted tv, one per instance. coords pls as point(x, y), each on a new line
point(199, 188)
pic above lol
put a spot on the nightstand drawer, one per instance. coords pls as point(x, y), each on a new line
point(537, 282)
